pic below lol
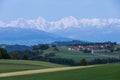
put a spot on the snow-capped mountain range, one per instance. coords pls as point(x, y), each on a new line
point(64, 23)
point(83, 29)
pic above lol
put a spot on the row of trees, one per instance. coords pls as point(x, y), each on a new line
point(46, 57)
point(14, 54)
point(84, 62)
point(104, 61)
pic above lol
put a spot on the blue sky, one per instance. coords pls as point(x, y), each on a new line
point(57, 9)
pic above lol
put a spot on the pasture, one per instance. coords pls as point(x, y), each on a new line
point(21, 65)
point(103, 72)
point(78, 55)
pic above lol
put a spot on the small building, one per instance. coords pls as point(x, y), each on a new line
point(69, 49)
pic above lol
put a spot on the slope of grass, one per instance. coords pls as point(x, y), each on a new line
point(20, 65)
point(78, 55)
point(104, 72)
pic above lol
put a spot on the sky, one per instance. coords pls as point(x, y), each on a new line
point(93, 18)
point(53, 10)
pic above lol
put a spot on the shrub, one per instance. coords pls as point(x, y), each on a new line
point(83, 62)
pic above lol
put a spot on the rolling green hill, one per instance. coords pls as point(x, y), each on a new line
point(78, 55)
point(21, 65)
point(103, 72)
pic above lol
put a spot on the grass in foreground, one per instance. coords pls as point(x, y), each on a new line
point(104, 72)
point(21, 65)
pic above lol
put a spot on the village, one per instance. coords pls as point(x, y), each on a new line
point(90, 48)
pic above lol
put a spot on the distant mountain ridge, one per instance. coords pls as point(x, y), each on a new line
point(70, 43)
point(16, 47)
point(27, 36)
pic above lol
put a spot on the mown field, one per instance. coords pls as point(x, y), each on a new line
point(21, 65)
point(103, 72)
point(78, 55)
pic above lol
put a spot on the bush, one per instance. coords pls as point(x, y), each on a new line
point(83, 62)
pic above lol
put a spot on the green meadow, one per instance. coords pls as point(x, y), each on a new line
point(103, 72)
point(21, 65)
point(78, 55)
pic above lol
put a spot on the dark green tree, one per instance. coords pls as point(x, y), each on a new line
point(25, 57)
point(4, 54)
point(83, 62)
point(15, 54)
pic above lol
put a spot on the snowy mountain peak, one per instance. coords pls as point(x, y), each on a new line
point(64, 23)
point(83, 29)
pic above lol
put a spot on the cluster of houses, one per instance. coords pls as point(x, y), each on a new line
point(89, 47)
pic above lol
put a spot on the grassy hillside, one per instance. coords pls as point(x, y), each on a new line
point(78, 55)
point(104, 72)
point(20, 65)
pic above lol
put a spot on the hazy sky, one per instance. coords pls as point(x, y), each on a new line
point(57, 9)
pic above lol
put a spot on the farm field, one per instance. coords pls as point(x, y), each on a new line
point(78, 55)
point(103, 72)
point(21, 65)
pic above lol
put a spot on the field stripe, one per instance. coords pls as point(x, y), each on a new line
point(41, 71)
